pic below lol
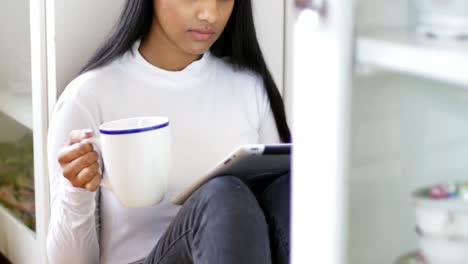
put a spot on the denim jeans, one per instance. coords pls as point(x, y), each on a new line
point(226, 222)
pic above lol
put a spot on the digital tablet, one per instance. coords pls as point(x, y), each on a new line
point(252, 164)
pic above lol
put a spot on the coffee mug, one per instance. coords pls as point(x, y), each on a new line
point(136, 155)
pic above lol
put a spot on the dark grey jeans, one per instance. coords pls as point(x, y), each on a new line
point(225, 222)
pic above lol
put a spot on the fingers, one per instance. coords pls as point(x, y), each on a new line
point(74, 149)
point(71, 170)
point(79, 161)
point(70, 153)
point(93, 185)
point(87, 174)
point(77, 136)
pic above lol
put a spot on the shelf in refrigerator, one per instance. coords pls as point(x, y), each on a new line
point(18, 107)
point(404, 51)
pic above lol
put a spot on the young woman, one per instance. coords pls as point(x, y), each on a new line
point(197, 62)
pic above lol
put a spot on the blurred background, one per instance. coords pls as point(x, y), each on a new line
point(374, 91)
point(380, 110)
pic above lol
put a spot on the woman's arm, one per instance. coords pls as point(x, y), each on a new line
point(72, 234)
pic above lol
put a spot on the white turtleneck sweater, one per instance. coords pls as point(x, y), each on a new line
point(212, 109)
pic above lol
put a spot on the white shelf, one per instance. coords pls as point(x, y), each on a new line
point(18, 107)
point(17, 241)
point(404, 51)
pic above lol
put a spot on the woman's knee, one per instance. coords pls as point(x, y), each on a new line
point(228, 193)
point(226, 188)
point(275, 200)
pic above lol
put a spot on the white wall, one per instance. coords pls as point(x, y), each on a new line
point(75, 30)
point(288, 35)
point(269, 19)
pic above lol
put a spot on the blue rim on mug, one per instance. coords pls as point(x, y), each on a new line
point(134, 130)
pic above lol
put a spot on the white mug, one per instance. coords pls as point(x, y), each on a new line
point(136, 153)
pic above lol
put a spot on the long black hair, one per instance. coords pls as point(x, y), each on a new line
point(238, 43)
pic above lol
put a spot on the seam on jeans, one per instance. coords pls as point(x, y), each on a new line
point(283, 245)
point(172, 245)
point(277, 233)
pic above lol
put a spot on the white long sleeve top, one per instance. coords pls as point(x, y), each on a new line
point(212, 108)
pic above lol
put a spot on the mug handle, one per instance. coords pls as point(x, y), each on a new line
point(97, 147)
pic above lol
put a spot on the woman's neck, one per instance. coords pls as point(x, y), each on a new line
point(158, 50)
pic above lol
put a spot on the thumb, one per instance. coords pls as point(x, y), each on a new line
point(77, 136)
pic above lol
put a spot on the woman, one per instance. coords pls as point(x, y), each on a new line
point(199, 63)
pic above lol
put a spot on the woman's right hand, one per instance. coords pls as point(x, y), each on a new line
point(79, 162)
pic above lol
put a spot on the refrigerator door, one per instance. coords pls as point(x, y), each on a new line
point(322, 49)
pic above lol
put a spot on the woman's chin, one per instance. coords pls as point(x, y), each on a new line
point(198, 49)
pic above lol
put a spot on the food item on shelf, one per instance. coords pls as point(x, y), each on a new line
point(438, 192)
point(446, 191)
point(442, 222)
point(17, 179)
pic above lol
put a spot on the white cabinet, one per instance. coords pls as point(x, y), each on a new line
point(23, 123)
point(15, 68)
point(402, 117)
